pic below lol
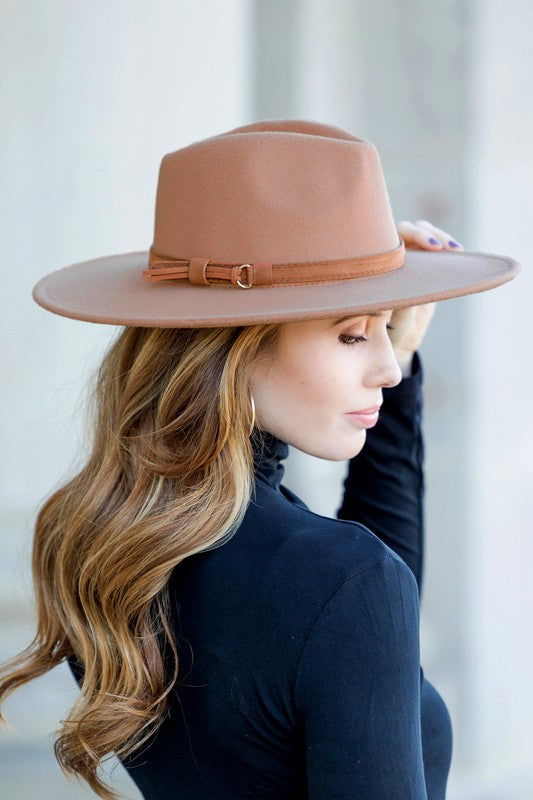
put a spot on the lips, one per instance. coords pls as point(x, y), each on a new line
point(366, 419)
point(366, 410)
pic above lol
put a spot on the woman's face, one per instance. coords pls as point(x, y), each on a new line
point(320, 372)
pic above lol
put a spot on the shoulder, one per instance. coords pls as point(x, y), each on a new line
point(320, 551)
point(365, 638)
point(284, 568)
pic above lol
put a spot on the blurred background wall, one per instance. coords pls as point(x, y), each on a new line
point(93, 95)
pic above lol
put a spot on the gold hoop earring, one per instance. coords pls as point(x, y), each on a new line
point(253, 414)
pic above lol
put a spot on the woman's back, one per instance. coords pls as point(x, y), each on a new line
point(299, 650)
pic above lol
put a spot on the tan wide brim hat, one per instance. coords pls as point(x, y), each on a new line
point(276, 221)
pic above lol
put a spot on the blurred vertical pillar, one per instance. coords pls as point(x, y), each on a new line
point(406, 77)
point(499, 350)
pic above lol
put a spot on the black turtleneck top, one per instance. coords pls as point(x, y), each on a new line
point(298, 638)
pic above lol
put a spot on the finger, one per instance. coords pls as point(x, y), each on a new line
point(414, 234)
point(443, 236)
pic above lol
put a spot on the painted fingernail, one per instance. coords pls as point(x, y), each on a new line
point(454, 244)
point(431, 240)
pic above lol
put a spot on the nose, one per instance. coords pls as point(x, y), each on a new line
point(386, 371)
point(396, 376)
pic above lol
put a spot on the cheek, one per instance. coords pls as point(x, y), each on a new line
point(304, 393)
point(314, 379)
point(318, 389)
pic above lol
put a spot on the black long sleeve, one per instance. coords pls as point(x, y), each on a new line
point(384, 487)
point(359, 688)
point(299, 646)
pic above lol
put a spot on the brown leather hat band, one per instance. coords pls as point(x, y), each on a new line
point(201, 271)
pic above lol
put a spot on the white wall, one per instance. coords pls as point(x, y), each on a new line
point(93, 94)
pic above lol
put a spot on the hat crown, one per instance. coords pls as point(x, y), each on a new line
point(282, 191)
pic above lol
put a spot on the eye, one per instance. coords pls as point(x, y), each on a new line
point(345, 338)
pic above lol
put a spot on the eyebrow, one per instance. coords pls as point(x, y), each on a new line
point(355, 316)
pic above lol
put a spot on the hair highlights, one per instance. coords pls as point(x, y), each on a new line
point(170, 474)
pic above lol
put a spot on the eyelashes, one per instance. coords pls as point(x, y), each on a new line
point(345, 338)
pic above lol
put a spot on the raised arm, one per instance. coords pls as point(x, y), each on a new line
point(384, 487)
point(357, 690)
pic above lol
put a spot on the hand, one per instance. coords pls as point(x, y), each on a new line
point(410, 324)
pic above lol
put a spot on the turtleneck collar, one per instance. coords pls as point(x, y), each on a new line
point(269, 452)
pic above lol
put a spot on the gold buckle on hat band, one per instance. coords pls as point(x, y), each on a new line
point(238, 281)
point(204, 272)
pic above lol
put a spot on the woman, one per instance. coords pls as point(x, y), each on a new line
point(229, 642)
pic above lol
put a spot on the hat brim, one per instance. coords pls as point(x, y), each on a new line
point(112, 290)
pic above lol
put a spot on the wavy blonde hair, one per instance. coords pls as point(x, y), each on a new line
point(170, 474)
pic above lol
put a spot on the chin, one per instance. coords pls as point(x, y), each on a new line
point(346, 452)
point(359, 446)
point(342, 447)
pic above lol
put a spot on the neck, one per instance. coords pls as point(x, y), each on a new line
point(269, 452)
